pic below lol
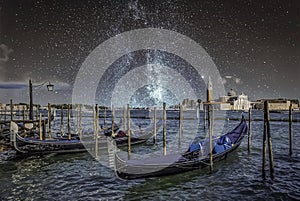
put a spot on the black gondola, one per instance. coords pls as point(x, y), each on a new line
point(29, 145)
point(196, 157)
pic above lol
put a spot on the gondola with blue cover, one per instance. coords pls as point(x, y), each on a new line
point(197, 156)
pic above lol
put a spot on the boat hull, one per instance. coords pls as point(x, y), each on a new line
point(156, 170)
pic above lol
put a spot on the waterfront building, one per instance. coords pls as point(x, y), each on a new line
point(277, 104)
point(234, 102)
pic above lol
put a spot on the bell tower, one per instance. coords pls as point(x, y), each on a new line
point(209, 91)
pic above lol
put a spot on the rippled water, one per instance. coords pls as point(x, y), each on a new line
point(80, 177)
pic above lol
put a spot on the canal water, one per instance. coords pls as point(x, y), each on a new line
point(81, 177)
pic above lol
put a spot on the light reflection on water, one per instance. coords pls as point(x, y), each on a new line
point(80, 177)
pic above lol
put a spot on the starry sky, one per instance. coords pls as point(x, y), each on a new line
point(254, 44)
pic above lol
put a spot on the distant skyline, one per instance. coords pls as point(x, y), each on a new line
point(254, 44)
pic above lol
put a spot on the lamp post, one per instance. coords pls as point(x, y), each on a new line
point(30, 101)
point(49, 87)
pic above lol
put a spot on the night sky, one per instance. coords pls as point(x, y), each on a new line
point(254, 44)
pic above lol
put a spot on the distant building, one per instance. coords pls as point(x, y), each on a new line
point(16, 107)
point(241, 103)
point(225, 106)
point(277, 104)
point(229, 102)
point(188, 104)
point(234, 102)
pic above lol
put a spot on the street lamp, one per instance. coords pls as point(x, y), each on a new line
point(50, 87)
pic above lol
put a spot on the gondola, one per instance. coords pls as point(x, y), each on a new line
point(5, 130)
point(29, 145)
point(196, 157)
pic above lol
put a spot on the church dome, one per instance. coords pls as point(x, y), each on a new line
point(231, 93)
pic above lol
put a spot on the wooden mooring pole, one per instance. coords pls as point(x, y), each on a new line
point(77, 120)
point(267, 134)
point(61, 120)
point(80, 121)
point(30, 101)
point(40, 127)
point(11, 110)
point(197, 113)
point(96, 132)
point(93, 119)
point(69, 123)
point(264, 147)
point(204, 116)
point(180, 122)
point(270, 144)
point(49, 120)
point(291, 129)
point(128, 131)
point(44, 129)
point(124, 118)
point(208, 116)
point(112, 121)
point(154, 126)
point(165, 129)
point(104, 117)
point(211, 110)
point(249, 130)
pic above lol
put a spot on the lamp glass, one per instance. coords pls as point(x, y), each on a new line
point(50, 87)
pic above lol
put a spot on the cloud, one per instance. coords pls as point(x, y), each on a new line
point(10, 85)
point(4, 53)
